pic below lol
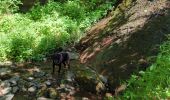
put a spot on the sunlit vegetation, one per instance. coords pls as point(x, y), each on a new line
point(44, 28)
point(34, 34)
point(154, 83)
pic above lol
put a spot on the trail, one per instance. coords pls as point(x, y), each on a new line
point(34, 81)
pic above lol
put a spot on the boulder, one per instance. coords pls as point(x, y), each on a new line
point(89, 80)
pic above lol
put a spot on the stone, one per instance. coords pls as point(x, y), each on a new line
point(30, 78)
point(103, 78)
point(6, 90)
point(49, 76)
point(4, 71)
point(71, 87)
point(89, 80)
point(38, 74)
point(108, 95)
point(6, 63)
point(120, 89)
point(32, 89)
point(23, 89)
point(62, 86)
point(70, 76)
point(13, 82)
point(5, 83)
point(63, 95)
point(53, 93)
point(73, 55)
point(85, 98)
point(43, 98)
point(22, 83)
point(68, 97)
point(145, 11)
point(13, 66)
point(15, 89)
point(43, 92)
point(16, 78)
point(31, 84)
point(7, 97)
point(72, 92)
point(67, 90)
point(100, 87)
point(44, 60)
point(48, 83)
point(35, 84)
point(38, 85)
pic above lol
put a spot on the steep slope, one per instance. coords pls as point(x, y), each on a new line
point(120, 44)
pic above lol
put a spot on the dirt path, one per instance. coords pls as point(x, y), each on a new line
point(34, 81)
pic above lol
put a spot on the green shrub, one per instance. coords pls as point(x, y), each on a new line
point(9, 6)
point(21, 46)
point(44, 28)
point(153, 84)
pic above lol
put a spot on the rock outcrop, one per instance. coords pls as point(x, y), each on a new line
point(133, 31)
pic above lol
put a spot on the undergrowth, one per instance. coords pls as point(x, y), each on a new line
point(44, 28)
point(154, 83)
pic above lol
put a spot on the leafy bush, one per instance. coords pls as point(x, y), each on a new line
point(155, 82)
point(44, 28)
point(9, 6)
point(74, 10)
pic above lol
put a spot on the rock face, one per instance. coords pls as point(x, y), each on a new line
point(116, 43)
